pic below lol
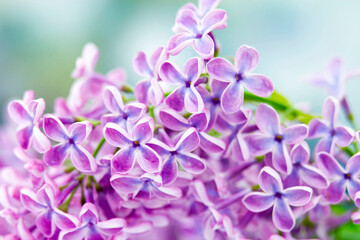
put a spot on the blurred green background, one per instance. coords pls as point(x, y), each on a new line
point(40, 40)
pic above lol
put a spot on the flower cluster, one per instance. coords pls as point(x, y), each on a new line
point(207, 150)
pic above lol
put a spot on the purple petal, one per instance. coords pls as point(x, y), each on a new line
point(123, 161)
point(135, 111)
point(64, 221)
point(30, 201)
point(89, 213)
point(325, 145)
point(149, 160)
point(353, 186)
point(40, 141)
point(112, 100)
point(45, 224)
point(155, 94)
point(78, 233)
point(335, 191)
point(45, 195)
point(295, 134)
point(176, 99)
point(267, 119)
point(178, 42)
point(111, 227)
point(158, 57)
point(80, 131)
point(213, 20)
point(193, 68)
point(188, 141)
point(258, 85)
point(172, 120)
point(232, 98)
point(246, 59)
point(54, 128)
point(204, 46)
point(330, 111)
point(343, 136)
point(82, 159)
point(221, 69)
point(191, 163)
point(90, 55)
point(37, 108)
point(141, 65)
point(57, 154)
point(187, 19)
point(328, 165)
point(297, 196)
point(116, 136)
point(169, 171)
point(199, 121)
point(259, 144)
point(18, 112)
point(141, 91)
point(270, 181)
point(353, 165)
point(313, 177)
point(300, 153)
point(317, 128)
point(193, 101)
point(211, 144)
point(24, 137)
point(206, 5)
point(167, 193)
point(357, 199)
point(258, 201)
point(356, 217)
point(143, 130)
point(126, 184)
point(283, 217)
point(171, 73)
point(281, 159)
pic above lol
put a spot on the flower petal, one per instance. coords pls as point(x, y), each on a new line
point(187, 20)
point(330, 111)
point(258, 201)
point(353, 186)
point(199, 121)
point(176, 99)
point(232, 98)
point(45, 224)
point(191, 163)
point(79, 131)
point(123, 161)
point(213, 20)
point(18, 112)
point(111, 227)
point(259, 144)
point(211, 144)
point(283, 217)
point(188, 141)
point(353, 165)
point(143, 130)
point(193, 101)
point(313, 177)
point(30, 201)
point(141, 91)
point(295, 134)
point(258, 85)
point(193, 69)
point(317, 128)
point(24, 137)
point(113, 100)
point(167, 193)
point(267, 119)
point(281, 159)
point(270, 181)
point(204, 46)
point(300, 153)
point(335, 191)
point(169, 72)
point(328, 165)
point(246, 59)
point(54, 128)
point(126, 184)
point(297, 196)
point(82, 159)
point(141, 66)
point(325, 145)
point(116, 136)
point(148, 160)
point(343, 136)
point(178, 42)
point(89, 213)
point(77, 233)
point(221, 69)
point(65, 221)
point(41, 142)
point(134, 111)
point(57, 154)
point(169, 171)
point(172, 120)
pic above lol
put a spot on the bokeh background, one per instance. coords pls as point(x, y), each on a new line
point(40, 40)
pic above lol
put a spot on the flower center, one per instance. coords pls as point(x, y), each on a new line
point(278, 138)
point(187, 84)
point(347, 176)
point(239, 77)
point(215, 100)
point(332, 132)
point(71, 141)
point(173, 153)
point(136, 144)
point(199, 35)
point(278, 195)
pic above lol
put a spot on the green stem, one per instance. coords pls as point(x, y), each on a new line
point(99, 146)
point(65, 206)
point(92, 121)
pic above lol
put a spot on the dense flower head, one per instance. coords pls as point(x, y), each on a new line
point(208, 150)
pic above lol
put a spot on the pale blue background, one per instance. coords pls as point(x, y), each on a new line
point(40, 40)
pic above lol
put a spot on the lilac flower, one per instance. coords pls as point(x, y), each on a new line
point(356, 215)
point(194, 30)
point(120, 114)
point(204, 7)
point(149, 89)
point(90, 226)
point(238, 76)
point(334, 79)
point(340, 178)
point(327, 129)
point(185, 94)
point(180, 154)
point(27, 114)
point(302, 171)
point(133, 146)
point(146, 186)
point(70, 144)
point(274, 139)
point(174, 121)
point(48, 217)
point(281, 199)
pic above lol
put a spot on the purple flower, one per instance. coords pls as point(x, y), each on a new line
point(180, 154)
point(90, 226)
point(327, 128)
point(133, 146)
point(48, 217)
point(120, 114)
point(334, 79)
point(27, 114)
point(302, 171)
point(340, 178)
point(194, 30)
point(186, 93)
point(69, 144)
point(281, 199)
point(204, 7)
point(238, 76)
point(174, 121)
point(149, 89)
point(274, 139)
point(146, 186)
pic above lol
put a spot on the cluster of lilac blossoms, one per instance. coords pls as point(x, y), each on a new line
point(219, 156)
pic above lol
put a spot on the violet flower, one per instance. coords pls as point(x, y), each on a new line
point(28, 113)
point(133, 146)
point(185, 94)
point(194, 30)
point(69, 144)
point(120, 113)
point(204, 7)
point(91, 227)
point(281, 199)
point(328, 129)
point(48, 216)
point(272, 138)
point(149, 89)
point(238, 76)
point(340, 178)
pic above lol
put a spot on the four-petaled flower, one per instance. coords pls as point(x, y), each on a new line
point(133, 146)
point(327, 129)
point(273, 138)
point(274, 195)
point(238, 76)
point(340, 178)
point(70, 144)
